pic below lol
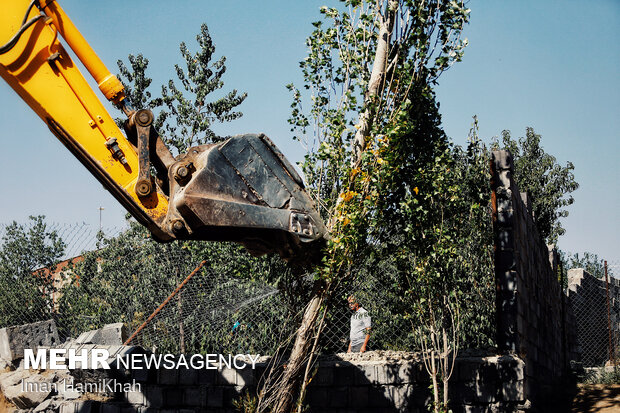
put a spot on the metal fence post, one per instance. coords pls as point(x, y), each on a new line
point(612, 353)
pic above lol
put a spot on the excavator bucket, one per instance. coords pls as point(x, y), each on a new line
point(241, 189)
point(244, 190)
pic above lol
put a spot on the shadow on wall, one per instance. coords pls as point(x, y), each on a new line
point(377, 384)
point(369, 386)
point(336, 385)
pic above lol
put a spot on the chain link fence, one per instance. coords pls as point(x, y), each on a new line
point(595, 298)
point(84, 278)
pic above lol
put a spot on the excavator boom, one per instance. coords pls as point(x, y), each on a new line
point(242, 189)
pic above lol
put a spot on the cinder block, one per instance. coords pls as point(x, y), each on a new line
point(143, 375)
point(486, 391)
point(188, 376)
point(463, 393)
point(379, 396)
point(406, 373)
point(228, 376)
point(505, 261)
point(505, 218)
point(67, 408)
point(323, 377)
point(154, 396)
point(110, 334)
point(84, 406)
point(317, 397)
point(338, 396)
point(488, 371)
point(475, 409)
point(506, 280)
point(365, 374)
point(215, 397)
point(510, 369)
point(344, 374)
point(513, 391)
point(206, 376)
point(387, 373)
point(401, 395)
point(245, 377)
point(173, 397)
point(195, 397)
point(168, 376)
point(501, 159)
point(109, 408)
point(504, 239)
point(13, 340)
point(358, 396)
point(135, 398)
point(468, 369)
point(505, 178)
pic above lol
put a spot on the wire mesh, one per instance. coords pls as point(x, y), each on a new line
point(391, 330)
point(32, 257)
point(217, 313)
point(235, 303)
point(595, 299)
point(84, 278)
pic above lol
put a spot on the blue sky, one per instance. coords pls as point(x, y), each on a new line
point(551, 65)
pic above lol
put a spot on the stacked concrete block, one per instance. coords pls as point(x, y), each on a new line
point(534, 319)
point(493, 383)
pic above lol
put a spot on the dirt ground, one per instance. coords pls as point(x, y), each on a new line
point(5, 406)
point(600, 398)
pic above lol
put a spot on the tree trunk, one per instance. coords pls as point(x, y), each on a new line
point(446, 360)
point(288, 392)
point(434, 373)
point(377, 79)
point(289, 386)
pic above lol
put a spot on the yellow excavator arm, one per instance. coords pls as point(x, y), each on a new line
point(242, 189)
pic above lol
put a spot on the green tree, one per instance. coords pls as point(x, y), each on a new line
point(359, 78)
point(366, 69)
point(590, 262)
point(186, 115)
point(547, 183)
point(137, 87)
point(433, 223)
point(25, 249)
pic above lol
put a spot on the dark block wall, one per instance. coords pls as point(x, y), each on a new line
point(534, 317)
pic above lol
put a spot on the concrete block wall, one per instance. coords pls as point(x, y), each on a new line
point(493, 383)
point(534, 318)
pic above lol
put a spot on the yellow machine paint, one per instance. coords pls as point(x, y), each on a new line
point(40, 70)
point(241, 189)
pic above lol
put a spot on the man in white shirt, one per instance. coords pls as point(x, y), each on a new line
point(360, 327)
